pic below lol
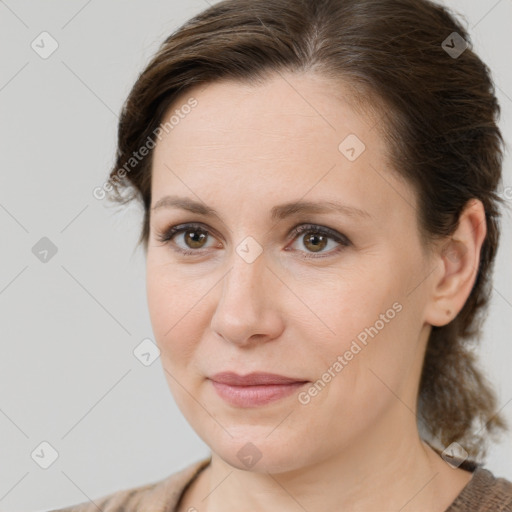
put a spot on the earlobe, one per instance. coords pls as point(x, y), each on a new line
point(457, 259)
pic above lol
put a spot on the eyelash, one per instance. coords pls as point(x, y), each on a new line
point(344, 242)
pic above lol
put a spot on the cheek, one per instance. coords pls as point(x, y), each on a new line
point(175, 327)
point(357, 371)
point(369, 322)
point(348, 303)
point(171, 302)
point(378, 358)
point(162, 302)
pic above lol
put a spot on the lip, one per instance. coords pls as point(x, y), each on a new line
point(254, 389)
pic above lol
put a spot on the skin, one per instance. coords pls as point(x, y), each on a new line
point(355, 446)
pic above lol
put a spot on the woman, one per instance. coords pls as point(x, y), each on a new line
point(319, 180)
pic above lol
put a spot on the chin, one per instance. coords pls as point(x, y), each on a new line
point(253, 449)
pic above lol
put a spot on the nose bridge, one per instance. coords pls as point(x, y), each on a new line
point(244, 308)
point(248, 263)
point(242, 284)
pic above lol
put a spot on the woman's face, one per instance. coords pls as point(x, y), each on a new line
point(339, 308)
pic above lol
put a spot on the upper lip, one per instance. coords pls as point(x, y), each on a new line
point(253, 379)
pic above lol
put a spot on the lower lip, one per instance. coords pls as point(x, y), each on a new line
point(253, 396)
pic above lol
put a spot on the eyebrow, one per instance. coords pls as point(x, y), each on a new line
point(278, 212)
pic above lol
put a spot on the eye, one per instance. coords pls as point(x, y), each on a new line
point(194, 237)
point(316, 238)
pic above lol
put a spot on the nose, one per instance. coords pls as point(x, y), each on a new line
point(248, 311)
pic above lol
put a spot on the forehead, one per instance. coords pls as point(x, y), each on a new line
point(293, 134)
point(284, 105)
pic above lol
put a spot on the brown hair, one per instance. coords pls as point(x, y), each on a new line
point(440, 124)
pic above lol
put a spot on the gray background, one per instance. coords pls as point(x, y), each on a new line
point(69, 326)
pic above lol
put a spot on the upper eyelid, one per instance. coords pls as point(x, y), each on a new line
point(296, 228)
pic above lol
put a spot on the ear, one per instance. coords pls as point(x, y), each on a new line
point(456, 261)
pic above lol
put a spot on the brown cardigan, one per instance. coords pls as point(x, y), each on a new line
point(483, 493)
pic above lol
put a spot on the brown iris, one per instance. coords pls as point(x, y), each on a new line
point(318, 242)
point(195, 238)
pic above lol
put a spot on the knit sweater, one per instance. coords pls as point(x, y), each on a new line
point(483, 493)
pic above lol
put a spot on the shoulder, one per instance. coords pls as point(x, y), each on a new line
point(155, 497)
point(485, 492)
point(497, 491)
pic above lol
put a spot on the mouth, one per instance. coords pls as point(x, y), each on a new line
point(255, 389)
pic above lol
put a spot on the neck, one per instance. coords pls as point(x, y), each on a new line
point(384, 470)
